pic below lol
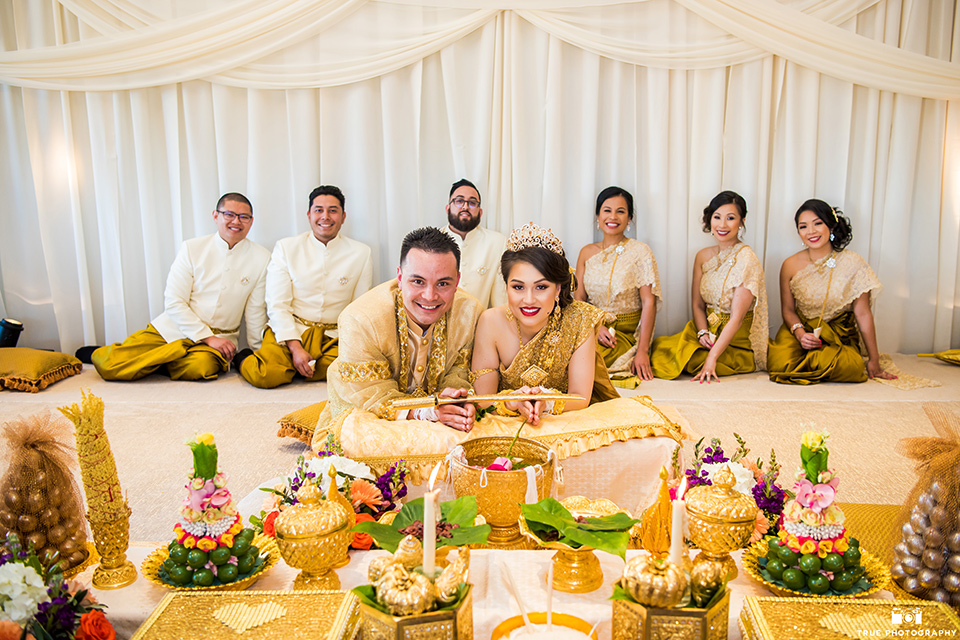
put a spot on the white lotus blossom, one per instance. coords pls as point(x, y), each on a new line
point(21, 590)
point(744, 477)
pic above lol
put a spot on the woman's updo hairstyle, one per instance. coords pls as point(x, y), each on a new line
point(722, 198)
point(553, 266)
point(613, 192)
point(841, 233)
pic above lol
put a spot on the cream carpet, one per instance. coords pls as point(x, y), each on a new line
point(149, 421)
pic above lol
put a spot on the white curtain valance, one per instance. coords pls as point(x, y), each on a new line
point(295, 44)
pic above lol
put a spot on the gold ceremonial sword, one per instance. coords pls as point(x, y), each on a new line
point(435, 400)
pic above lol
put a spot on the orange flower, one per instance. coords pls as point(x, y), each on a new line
point(366, 494)
point(10, 630)
point(752, 467)
point(95, 626)
point(760, 528)
point(270, 524)
point(362, 540)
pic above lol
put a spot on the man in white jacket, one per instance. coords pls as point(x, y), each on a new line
point(311, 278)
point(214, 282)
point(480, 248)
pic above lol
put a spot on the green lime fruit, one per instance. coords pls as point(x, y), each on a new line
point(180, 574)
point(203, 577)
point(854, 543)
point(197, 558)
point(240, 546)
point(169, 564)
point(809, 564)
point(851, 558)
point(842, 581)
point(227, 573)
point(793, 578)
point(818, 583)
point(788, 556)
point(220, 555)
point(179, 554)
point(254, 551)
point(246, 563)
point(857, 572)
point(773, 547)
point(248, 534)
point(775, 568)
point(833, 562)
point(173, 543)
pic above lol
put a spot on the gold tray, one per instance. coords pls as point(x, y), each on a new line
point(874, 570)
point(267, 545)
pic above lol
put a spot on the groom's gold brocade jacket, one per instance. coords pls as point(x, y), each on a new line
point(373, 366)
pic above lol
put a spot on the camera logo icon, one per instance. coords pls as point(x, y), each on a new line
point(906, 616)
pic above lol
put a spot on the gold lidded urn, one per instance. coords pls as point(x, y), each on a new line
point(500, 493)
point(314, 535)
point(721, 520)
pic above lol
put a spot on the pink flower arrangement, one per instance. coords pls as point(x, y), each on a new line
point(815, 497)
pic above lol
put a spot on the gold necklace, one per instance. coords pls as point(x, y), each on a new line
point(534, 375)
point(616, 254)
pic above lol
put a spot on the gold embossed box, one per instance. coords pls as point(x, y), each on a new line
point(632, 621)
point(845, 618)
point(253, 615)
point(455, 624)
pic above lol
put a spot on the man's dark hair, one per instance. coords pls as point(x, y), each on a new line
point(327, 190)
point(463, 182)
point(431, 240)
point(233, 197)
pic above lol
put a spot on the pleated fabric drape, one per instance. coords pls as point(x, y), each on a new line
point(124, 120)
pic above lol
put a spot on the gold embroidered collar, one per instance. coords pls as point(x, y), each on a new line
point(436, 361)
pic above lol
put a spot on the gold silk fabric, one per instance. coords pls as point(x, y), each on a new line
point(551, 351)
point(722, 274)
point(612, 279)
point(852, 277)
point(373, 365)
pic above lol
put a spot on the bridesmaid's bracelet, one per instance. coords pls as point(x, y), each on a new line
point(798, 325)
point(702, 333)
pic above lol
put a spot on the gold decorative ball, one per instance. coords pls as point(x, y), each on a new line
point(654, 583)
point(404, 593)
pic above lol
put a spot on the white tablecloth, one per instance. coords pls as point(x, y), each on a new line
point(129, 607)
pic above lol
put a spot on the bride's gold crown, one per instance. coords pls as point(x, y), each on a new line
point(531, 235)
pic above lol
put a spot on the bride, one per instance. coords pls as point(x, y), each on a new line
point(542, 338)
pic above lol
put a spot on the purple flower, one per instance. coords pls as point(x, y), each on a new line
point(769, 498)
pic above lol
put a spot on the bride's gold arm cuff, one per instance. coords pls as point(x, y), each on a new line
point(479, 373)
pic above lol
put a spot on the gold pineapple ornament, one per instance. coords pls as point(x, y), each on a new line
point(107, 509)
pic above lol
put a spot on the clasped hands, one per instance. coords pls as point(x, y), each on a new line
point(530, 410)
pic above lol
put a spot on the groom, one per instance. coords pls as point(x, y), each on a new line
point(412, 336)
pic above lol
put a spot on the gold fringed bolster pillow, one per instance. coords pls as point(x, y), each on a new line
point(301, 423)
point(24, 369)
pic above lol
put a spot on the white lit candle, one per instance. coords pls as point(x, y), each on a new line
point(430, 533)
point(677, 526)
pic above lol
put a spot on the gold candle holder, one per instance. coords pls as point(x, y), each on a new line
point(500, 493)
point(721, 520)
point(111, 540)
point(314, 536)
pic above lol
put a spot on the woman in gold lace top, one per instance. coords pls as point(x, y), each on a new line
point(728, 333)
point(619, 275)
point(825, 293)
point(542, 338)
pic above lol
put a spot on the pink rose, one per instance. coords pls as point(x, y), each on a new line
point(501, 464)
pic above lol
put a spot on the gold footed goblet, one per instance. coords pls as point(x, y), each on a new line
point(500, 493)
point(314, 536)
point(575, 570)
point(111, 540)
point(721, 520)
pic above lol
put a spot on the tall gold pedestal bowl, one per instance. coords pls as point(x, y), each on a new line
point(721, 520)
point(314, 536)
point(575, 570)
point(500, 493)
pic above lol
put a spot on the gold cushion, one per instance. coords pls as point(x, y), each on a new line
point(301, 423)
point(24, 369)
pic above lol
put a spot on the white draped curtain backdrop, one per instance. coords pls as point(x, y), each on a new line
point(124, 120)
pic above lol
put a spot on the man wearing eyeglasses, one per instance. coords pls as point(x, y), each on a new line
point(214, 282)
point(480, 248)
point(311, 278)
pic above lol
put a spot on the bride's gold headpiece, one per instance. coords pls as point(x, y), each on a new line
point(531, 235)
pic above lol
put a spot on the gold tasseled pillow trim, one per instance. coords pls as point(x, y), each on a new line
point(33, 370)
point(301, 423)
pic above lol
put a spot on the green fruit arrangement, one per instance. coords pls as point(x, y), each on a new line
point(834, 574)
point(190, 568)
